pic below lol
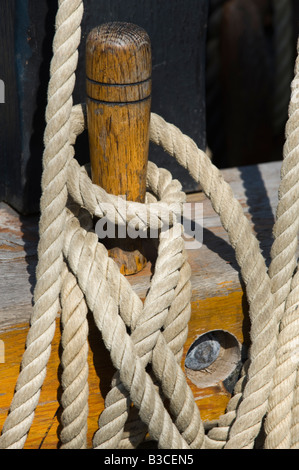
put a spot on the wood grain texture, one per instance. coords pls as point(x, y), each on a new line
point(119, 131)
point(118, 86)
point(26, 33)
point(118, 58)
point(218, 301)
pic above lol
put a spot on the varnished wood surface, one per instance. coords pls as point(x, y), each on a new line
point(218, 301)
point(118, 59)
point(118, 87)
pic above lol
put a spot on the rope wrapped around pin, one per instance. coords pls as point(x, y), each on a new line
point(159, 212)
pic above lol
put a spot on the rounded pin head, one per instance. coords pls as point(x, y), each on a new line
point(119, 53)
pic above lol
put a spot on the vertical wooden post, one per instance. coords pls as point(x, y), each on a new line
point(118, 70)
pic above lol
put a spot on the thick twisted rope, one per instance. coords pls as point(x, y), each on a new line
point(285, 230)
point(263, 325)
point(87, 258)
point(253, 271)
point(53, 201)
point(73, 264)
point(152, 320)
point(74, 380)
point(161, 182)
point(160, 296)
point(175, 332)
point(154, 314)
point(180, 145)
point(279, 421)
point(281, 270)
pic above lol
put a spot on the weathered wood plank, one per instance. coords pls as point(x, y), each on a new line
point(18, 257)
point(213, 265)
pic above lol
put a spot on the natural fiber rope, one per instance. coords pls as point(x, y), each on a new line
point(155, 311)
point(74, 266)
point(253, 269)
point(282, 268)
point(283, 48)
point(53, 201)
point(74, 400)
point(88, 260)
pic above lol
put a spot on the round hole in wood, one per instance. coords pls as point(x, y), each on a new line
point(214, 357)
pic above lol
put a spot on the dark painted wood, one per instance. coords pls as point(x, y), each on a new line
point(296, 20)
point(26, 32)
point(240, 81)
point(177, 31)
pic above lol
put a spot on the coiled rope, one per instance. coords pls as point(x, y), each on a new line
point(75, 274)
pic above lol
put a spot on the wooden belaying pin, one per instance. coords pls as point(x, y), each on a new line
point(118, 85)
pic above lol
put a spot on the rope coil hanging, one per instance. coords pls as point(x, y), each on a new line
point(75, 274)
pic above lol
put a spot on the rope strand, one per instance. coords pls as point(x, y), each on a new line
point(75, 268)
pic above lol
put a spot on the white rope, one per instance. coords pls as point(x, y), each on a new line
point(74, 267)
